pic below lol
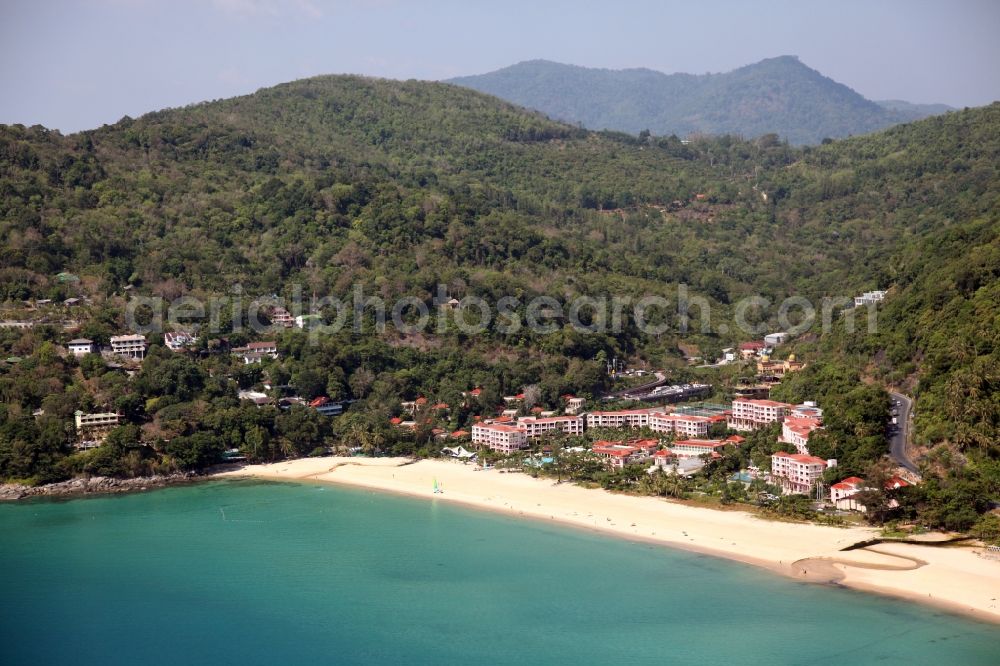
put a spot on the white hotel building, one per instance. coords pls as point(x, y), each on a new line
point(687, 425)
point(536, 427)
point(624, 418)
point(796, 472)
point(693, 448)
point(753, 414)
point(500, 437)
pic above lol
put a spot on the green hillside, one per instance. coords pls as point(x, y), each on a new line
point(778, 95)
point(337, 183)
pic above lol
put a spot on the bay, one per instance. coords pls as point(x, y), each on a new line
point(255, 572)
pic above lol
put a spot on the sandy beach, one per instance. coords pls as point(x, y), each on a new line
point(957, 579)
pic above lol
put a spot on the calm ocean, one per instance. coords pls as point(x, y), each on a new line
point(276, 573)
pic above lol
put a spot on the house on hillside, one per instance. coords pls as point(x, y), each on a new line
point(81, 347)
point(256, 352)
point(129, 346)
point(327, 407)
point(869, 298)
point(178, 341)
point(93, 428)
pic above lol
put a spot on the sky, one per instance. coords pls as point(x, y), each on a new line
point(77, 65)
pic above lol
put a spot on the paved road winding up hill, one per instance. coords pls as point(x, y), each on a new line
point(898, 438)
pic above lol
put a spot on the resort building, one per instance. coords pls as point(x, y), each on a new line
point(807, 409)
point(617, 455)
point(665, 459)
point(129, 346)
point(842, 493)
point(96, 420)
point(795, 430)
point(92, 429)
point(693, 448)
point(81, 347)
point(797, 472)
point(499, 437)
point(536, 427)
point(687, 425)
point(868, 298)
point(754, 414)
point(574, 405)
point(625, 418)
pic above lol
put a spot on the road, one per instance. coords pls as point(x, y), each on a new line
point(898, 439)
point(661, 378)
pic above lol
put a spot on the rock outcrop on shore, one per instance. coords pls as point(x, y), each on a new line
point(93, 485)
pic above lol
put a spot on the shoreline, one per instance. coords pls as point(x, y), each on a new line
point(94, 486)
point(953, 579)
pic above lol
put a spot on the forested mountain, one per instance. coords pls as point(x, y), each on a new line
point(778, 95)
point(342, 182)
point(911, 111)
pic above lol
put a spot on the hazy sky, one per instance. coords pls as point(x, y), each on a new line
point(76, 65)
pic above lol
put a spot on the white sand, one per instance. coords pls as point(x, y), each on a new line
point(953, 578)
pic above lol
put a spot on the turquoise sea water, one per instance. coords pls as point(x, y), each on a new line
point(269, 573)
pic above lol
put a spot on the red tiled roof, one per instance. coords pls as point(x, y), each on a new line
point(548, 419)
point(395, 420)
point(685, 417)
point(615, 450)
point(499, 427)
point(703, 443)
point(763, 403)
